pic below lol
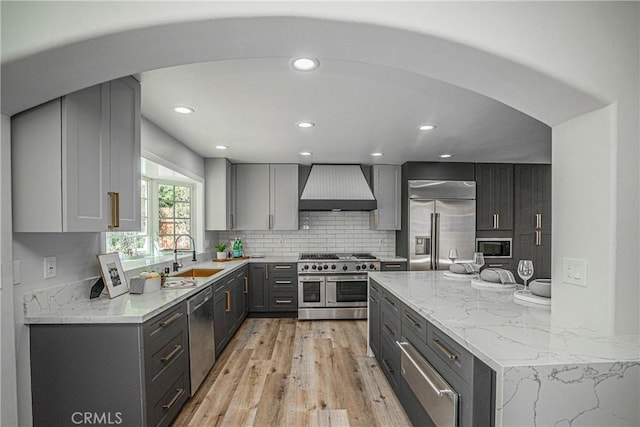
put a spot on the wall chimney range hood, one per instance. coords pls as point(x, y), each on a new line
point(337, 188)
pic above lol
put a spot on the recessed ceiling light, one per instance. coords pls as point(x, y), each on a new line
point(445, 156)
point(305, 153)
point(183, 109)
point(377, 154)
point(221, 147)
point(427, 127)
point(305, 125)
point(305, 64)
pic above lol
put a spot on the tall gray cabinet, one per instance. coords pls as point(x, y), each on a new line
point(533, 216)
point(494, 197)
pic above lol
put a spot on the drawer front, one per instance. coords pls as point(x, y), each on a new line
point(451, 353)
point(219, 285)
point(390, 325)
point(414, 324)
point(390, 362)
point(374, 288)
point(167, 405)
point(393, 266)
point(162, 328)
point(287, 270)
point(164, 357)
point(283, 284)
point(390, 302)
point(283, 302)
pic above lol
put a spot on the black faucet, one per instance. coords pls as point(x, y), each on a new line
point(176, 264)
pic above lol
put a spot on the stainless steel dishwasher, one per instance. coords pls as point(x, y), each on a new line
point(201, 339)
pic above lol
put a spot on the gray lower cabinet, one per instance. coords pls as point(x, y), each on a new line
point(127, 374)
point(230, 306)
point(474, 381)
point(273, 288)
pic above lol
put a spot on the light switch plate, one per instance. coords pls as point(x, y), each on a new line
point(574, 271)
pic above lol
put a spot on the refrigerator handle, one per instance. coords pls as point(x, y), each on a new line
point(432, 243)
point(436, 245)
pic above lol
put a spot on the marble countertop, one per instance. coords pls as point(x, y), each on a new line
point(500, 332)
point(131, 308)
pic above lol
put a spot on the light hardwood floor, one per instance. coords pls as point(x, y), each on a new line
point(284, 372)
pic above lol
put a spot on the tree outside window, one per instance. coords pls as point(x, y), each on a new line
point(174, 215)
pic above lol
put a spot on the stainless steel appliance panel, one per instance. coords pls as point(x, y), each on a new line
point(494, 247)
point(201, 338)
point(429, 189)
point(347, 290)
point(456, 229)
point(421, 213)
point(436, 396)
point(311, 291)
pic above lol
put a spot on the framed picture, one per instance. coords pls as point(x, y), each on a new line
point(112, 274)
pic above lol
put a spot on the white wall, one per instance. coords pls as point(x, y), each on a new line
point(584, 201)
point(8, 397)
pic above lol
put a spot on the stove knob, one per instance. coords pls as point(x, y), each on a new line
point(306, 267)
point(333, 266)
point(372, 267)
point(314, 267)
point(345, 268)
point(364, 266)
point(326, 266)
point(357, 267)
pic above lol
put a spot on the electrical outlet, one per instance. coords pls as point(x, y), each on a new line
point(574, 271)
point(50, 267)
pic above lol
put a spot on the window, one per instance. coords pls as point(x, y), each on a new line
point(168, 209)
point(174, 215)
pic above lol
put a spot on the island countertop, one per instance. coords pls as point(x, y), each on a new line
point(499, 331)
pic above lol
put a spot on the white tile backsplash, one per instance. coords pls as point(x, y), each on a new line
point(327, 232)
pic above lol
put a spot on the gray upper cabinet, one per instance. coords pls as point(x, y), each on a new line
point(267, 196)
point(85, 147)
point(533, 197)
point(386, 189)
point(220, 194)
point(494, 196)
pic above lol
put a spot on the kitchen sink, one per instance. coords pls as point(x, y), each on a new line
point(198, 272)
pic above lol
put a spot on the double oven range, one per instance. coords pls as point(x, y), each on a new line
point(334, 286)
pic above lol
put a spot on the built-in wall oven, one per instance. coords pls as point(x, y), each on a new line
point(334, 286)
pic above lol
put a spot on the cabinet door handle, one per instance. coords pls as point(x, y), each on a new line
point(497, 221)
point(494, 221)
point(538, 238)
point(228, 295)
point(388, 328)
point(246, 285)
point(117, 210)
point(231, 217)
point(392, 266)
point(174, 399)
point(113, 223)
point(495, 265)
point(444, 350)
point(282, 301)
point(415, 324)
point(266, 272)
point(538, 220)
point(270, 221)
point(373, 300)
point(168, 357)
point(170, 320)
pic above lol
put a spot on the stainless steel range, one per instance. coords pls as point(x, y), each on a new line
point(334, 286)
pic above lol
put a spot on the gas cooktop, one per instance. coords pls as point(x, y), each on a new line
point(337, 263)
point(336, 256)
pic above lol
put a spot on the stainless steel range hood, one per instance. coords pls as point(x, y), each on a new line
point(335, 188)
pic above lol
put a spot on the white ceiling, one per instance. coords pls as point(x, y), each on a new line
point(252, 105)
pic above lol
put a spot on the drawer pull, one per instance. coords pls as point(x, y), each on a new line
point(283, 282)
point(170, 320)
point(282, 301)
point(386, 364)
point(228, 307)
point(282, 267)
point(373, 300)
point(174, 399)
point(176, 350)
point(389, 329)
point(246, 285)
point(392, 266)
point(416, 324)
point(390, 301)
point(444, 350)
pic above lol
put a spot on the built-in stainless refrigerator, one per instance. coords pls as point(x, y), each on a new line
point(442, 216)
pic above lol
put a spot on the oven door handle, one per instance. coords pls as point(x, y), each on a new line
point(310, 279)
point(346, 279)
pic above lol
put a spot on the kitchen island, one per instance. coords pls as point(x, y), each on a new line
point(547, 371)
